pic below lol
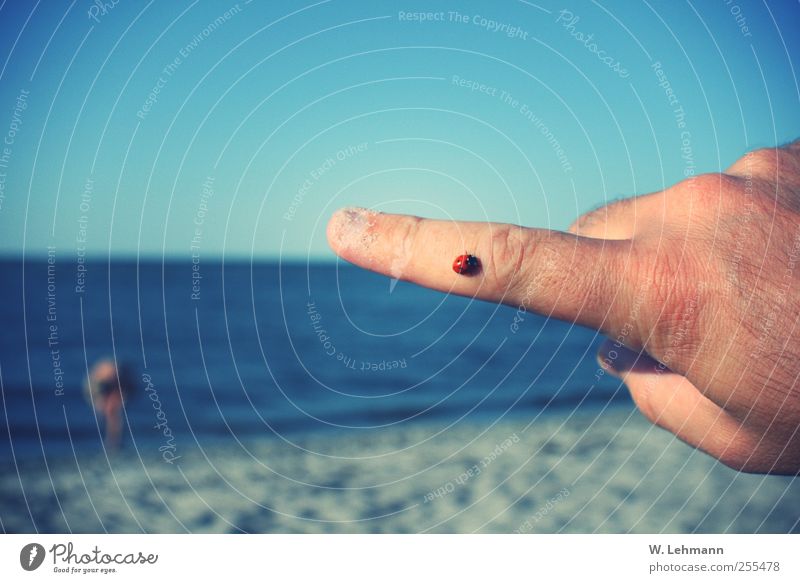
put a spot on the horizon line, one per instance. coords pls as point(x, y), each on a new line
point(173, 257)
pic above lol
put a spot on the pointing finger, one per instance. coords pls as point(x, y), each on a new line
point(559, 274)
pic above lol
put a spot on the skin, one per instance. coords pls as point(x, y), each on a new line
point(112, 411)
point(696, 287)
point(110, 404)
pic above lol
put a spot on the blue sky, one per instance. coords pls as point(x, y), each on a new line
point(270, 115)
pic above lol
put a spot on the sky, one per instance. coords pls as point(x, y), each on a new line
point(180, 129)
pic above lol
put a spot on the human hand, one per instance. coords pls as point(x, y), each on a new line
point(696, 286)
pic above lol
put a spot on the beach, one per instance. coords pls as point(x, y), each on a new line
point(581, 471)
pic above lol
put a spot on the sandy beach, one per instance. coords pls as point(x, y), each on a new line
point(581, 472)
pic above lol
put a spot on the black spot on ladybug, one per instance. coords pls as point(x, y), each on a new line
point(466, 264)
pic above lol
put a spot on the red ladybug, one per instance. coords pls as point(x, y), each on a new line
point(466, 264)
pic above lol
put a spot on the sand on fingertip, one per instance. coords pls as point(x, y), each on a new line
point(351, 233)
point(582, 472)
point(350, 229)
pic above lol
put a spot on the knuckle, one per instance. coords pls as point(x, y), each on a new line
point(508, 249)
point(604, 221)
point(674, 299)
point(778, 166)
point(702, 183)
point(763, 160)
point(591, 223)
point(756, 162)
point(708, 190)
point(578, 224)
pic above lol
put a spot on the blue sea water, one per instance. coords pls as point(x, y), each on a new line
point(240, 349)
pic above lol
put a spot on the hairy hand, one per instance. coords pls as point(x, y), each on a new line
point(696, 286)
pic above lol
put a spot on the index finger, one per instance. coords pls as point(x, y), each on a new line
point(562, 275)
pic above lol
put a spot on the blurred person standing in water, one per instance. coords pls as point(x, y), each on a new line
point(108, 387)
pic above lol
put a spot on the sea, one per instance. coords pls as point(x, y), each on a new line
point(223, 350)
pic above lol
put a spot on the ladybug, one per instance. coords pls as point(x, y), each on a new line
point(466, 264)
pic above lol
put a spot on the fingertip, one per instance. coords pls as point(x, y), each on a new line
point(350, 229)
point(618, 360)
point(334, 228)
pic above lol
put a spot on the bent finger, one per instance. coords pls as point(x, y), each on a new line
point(672, 402)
